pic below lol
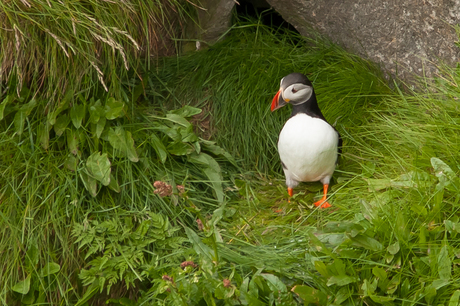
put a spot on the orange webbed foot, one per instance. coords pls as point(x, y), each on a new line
point(322, 204)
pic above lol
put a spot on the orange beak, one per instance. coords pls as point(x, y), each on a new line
point(278, 101)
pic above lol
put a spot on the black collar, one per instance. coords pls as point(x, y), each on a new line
point(310, 107)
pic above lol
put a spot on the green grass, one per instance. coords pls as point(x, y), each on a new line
point(389, 239)
point(388, 189)
point(44, 42)
point(42, 199)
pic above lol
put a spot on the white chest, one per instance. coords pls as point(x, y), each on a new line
point(308, 149)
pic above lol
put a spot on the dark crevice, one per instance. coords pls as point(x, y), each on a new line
point(261, 10)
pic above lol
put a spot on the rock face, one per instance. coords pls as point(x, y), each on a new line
point(401, 35)
point(214, 17)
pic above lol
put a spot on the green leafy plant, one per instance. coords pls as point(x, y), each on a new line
point(38, 281)
point(123, 250)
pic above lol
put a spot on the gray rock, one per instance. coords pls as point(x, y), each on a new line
point(214, 18)
point(401, 35)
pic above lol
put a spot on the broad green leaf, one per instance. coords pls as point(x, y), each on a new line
point(63, 105)
point(439, 283)
point(216, 150)
point(71, 162)
point(44, 134)
point(50, 268)
point(98, 166)
point(27, 108)
point(5, 101)
point(337, 267)
point(369, 287)
point(178, 119)
point(454, 299)
point(32, 255)
point(224, 293)
point(379, 184)
point(2, 111)
point(442, 169)
point(188, 135)
point(77, 114)
point(367, 242)
point(96, 111)
point(29, 298)
point(321, 268)
point(445, 176)
point(98, 128)
point(199, 247)
point(186, 111)
point(320, 246)
point(393, 284)
point(131, 152)
point(342, 295)
point(217, 215)
point(123, 143)
point(21, 114)
point(61, 124)
point(19, 120)
point(430, 294)
point(113, 108)
point(205, 160)
point(180, 148)
point(310, 295)
point(114, 184)
point(72, 141)
point(245, 286)
point(444, 264)
point(23, 286)
point(393, 248)
point(401, 230)
point(171, 132)
point(274, 283)
point(380, 273)
point(159, 147)
point(89, 183)
point(405, 287)
point(341, 280)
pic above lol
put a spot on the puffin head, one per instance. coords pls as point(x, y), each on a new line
point(295, 88)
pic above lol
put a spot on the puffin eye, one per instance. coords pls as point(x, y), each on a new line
point(294, 90)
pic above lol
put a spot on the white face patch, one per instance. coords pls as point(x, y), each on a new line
point(297, 93)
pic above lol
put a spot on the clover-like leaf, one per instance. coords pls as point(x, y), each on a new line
point(123, 142)
point(23, 286)
point(113, 108)
point(98, 166)
point(77, 114)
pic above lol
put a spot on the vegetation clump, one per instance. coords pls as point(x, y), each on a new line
point(120, 197)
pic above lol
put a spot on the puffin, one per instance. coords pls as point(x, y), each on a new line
point(308, 145)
